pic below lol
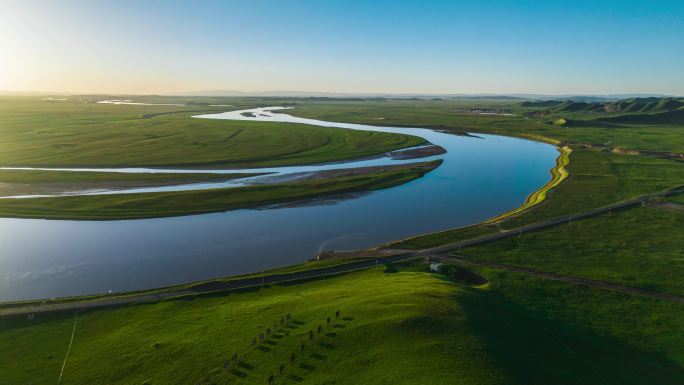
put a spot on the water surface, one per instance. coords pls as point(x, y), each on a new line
point(480, 178)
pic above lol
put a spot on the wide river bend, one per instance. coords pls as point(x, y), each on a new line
point(481, 176)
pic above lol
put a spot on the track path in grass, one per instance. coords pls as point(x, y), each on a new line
point(563, 278)
point(71, 342)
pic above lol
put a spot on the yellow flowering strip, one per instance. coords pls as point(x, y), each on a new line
point(558, 175)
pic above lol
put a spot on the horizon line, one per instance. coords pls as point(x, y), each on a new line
point(298, 93)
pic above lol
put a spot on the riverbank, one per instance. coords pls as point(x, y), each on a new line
point(167, 204)
point(43, 182)
point(559, 173)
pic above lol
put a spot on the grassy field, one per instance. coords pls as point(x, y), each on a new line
point(405, 327)
point(198, 335)
point(79, 132)
point(162, 204)
point(599, 337)
point(678, 199)
point(639, 247)
point(411, 326)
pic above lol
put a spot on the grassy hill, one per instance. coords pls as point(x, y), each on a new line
point(639, 113)
point(398, 325)
point(661, 118)
point(633, 105)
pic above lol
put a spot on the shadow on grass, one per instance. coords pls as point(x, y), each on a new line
point(310, 279)
point(327, 345)
point(264, 349)
point(532, 347)
point(461, 275)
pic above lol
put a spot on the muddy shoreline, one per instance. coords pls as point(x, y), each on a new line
point(418, 152)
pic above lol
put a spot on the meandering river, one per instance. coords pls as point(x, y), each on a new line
point(481, 176)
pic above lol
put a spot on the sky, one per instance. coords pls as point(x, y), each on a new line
point(494, 46)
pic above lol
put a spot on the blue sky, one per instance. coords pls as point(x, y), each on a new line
point(552, 47)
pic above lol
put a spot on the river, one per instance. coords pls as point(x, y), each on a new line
point(481, 176)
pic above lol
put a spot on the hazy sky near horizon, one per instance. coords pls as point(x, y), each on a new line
point(495, 46)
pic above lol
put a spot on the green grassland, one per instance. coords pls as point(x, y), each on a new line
point(601, 337)
point(16, 182)
point(80, 132)
point(406, 327)
point(415, 327)
point(162, 204)
point(639, 247)
point(197, 335)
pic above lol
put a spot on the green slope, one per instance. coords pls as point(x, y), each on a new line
point(633, 105)
point(402, 328)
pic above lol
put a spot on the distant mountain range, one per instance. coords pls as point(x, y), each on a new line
point(305, 94)
point(576, 98)
point(310, 94)
point(649, 110)
point(631, 105)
